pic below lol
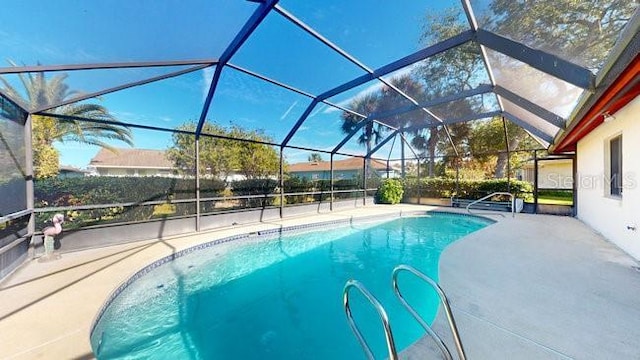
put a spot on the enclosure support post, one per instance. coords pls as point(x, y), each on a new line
point(331, 182)
point(281, 176)
point(535, 181)
point(402, 162)
point(506, 142)
point(419, 182)
point(364, 181)
point(197, 151)
point(28, 143)
point(457, 176)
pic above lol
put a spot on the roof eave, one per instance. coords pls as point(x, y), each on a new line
point(624, 88)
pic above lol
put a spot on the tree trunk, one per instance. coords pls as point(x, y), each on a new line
point(501, 165)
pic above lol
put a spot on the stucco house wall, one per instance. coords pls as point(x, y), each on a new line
point(555, 174)
point(614, 217)
point(326, 175)
point(138, 171)
point(343, 169)
point(552, 174)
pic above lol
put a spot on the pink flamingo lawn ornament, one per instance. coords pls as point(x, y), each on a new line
point(50, 232)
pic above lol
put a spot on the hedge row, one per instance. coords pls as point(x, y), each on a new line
point(105, 190)
point(466, 189)
point(58, 192)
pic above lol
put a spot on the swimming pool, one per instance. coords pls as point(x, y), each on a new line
point(278, 295)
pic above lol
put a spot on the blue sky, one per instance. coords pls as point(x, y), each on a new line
point(74, 31)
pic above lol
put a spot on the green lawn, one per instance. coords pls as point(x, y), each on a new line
point(552, 197)
point(555, 200)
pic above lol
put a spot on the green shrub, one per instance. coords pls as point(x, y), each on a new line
point(467, 189)
point(254, 187)
point(56, 192)
point(389, 192)
point(300, 185)
point(347, 184)
point(102, 189)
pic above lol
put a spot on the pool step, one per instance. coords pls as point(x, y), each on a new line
point(391, 348)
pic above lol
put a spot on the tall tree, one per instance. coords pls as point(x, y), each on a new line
point(220, 156)
point(487, 144)
point(447, 73)
point(391, 99)
point(366, 104)
point(314, 157)
point(581, 31)
point(254, 160)
point(47, 130)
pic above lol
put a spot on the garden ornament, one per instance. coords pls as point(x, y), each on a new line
point(50, 232)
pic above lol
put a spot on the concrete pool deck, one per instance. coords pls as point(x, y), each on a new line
point(529, 287)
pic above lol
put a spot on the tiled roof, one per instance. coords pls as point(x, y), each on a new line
point(348, 164)
point(131, 158)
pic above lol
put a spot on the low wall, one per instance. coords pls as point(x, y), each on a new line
point(565, 210)
point(427, 201)
point(99, 236)
point(13, 257)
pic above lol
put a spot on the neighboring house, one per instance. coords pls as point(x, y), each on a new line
point(66, 171)
point(606, 138)
point(131, 162)
point(552, 174)
point(342, 169)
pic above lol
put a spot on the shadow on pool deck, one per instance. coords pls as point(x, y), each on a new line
point(540, 287)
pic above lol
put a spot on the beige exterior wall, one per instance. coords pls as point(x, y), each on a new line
point(610, 215)
point(552, 174)
point(555, 174)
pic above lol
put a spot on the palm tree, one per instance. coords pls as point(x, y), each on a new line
point(315, 157)
point(371, 132)
point(365, 104)
point(412, 121)
point(42, 92)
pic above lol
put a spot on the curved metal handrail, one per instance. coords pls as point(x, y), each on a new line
point(445, 304)
point(513, 201)
point(391, 346)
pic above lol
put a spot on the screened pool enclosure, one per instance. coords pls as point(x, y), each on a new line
point(139, 120)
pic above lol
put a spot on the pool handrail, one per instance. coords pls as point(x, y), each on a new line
point(513, 201)
point(391, 346)
point(445, 304)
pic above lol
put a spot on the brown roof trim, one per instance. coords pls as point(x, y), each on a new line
point(624, 89)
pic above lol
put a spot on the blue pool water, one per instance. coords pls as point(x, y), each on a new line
point(280, 298)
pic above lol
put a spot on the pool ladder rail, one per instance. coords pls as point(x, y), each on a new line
point(391, 347)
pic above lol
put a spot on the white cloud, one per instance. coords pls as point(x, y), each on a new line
point(289, 110)
point(207, 74)
point(319, 109)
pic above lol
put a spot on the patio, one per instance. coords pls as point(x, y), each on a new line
point(201, 111)
point(542, 294)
